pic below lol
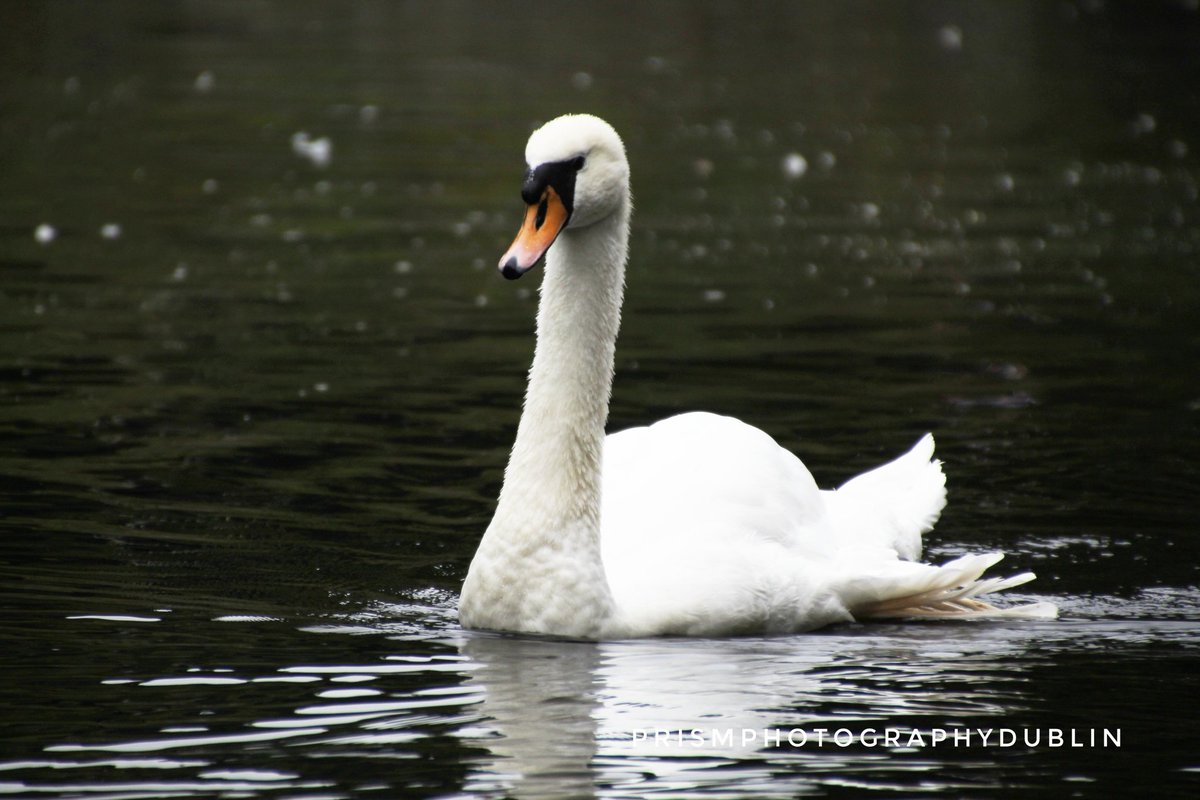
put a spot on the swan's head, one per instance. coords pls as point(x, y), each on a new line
point(577, 175)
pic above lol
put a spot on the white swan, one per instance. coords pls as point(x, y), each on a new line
point(698, 525)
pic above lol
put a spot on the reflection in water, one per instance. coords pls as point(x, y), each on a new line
point(540, 696)
point(532, 718)
point(611, 715)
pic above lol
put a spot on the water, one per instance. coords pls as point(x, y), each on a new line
point(256, 399)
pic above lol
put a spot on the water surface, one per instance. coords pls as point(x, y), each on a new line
point(255, 402)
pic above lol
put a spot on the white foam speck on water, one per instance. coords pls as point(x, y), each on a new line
point(205, 82)
point(319, 151)
point(950, 37)
point(794, 165)
point(45, 233)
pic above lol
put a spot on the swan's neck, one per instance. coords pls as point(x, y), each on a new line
point(555, 463)
point(539, 566)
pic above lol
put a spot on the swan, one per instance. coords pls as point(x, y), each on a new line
point(698, 525)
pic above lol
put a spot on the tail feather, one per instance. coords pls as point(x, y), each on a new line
point(974, 609)
point(950, 592)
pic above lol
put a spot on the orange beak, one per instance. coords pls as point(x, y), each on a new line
point(544, 220)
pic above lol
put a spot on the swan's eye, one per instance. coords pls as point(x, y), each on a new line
point(578, 163)
point(541, 213)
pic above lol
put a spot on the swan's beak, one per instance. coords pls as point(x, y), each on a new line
point(544, 220)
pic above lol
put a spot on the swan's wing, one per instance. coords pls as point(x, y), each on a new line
point(700, 475)
point(891, 505)
point(708, 526)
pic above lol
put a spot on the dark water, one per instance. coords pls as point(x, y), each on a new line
point(255, 405)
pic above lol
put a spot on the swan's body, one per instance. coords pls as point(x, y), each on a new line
point(699, 524)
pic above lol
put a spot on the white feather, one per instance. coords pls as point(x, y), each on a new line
point(699, 524)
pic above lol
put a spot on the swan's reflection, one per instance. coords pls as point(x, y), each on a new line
point(578, 719)
point(541, 695)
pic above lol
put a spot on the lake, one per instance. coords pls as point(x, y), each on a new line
point(260, 377)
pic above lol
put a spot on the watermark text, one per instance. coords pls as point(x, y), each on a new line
point(889, 738)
